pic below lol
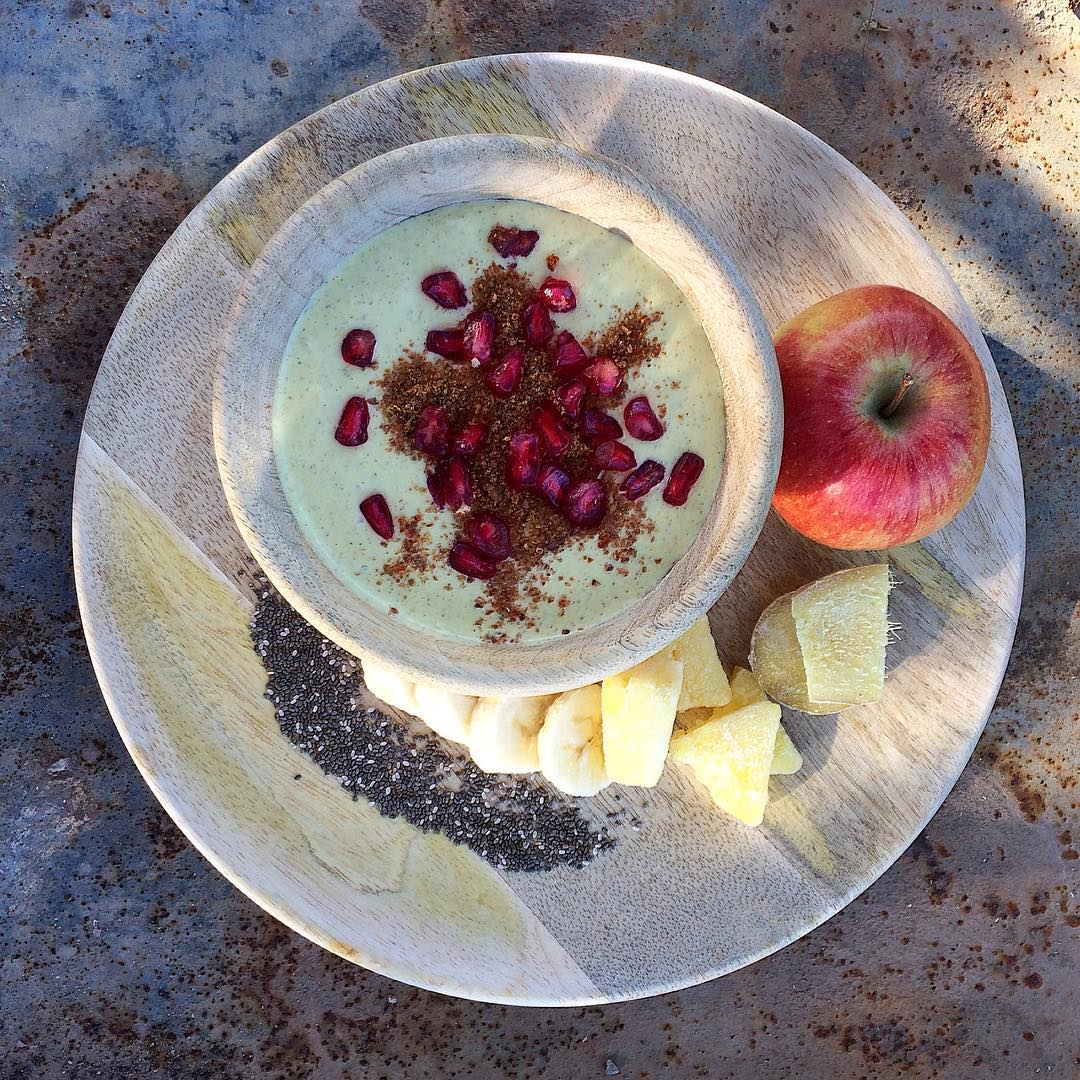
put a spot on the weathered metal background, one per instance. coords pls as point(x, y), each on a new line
point(123, 954)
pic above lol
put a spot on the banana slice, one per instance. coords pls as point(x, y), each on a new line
point(503, 731)
point(446, 713)
point(570, 743)
point(390, 685)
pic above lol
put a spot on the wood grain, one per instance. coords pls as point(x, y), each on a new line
point(693, 894)
point(369, 199)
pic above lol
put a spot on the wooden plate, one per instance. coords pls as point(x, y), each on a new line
point(693, 894)
point(401, 184)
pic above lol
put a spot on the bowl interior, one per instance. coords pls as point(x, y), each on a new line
point(423, 177)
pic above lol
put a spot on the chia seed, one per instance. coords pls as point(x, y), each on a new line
point(514, 822)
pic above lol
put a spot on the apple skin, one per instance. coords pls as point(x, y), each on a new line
point(850, 478)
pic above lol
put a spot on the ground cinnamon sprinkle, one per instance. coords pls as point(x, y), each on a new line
point(536, 528)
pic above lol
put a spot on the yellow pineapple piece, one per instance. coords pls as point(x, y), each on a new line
point(705, 682)
point(786, 756)
point(638, 714)
point(732, 755)
point(842, 627)
point(745, 689)
point(777, 660)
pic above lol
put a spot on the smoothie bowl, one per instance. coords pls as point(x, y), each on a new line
point(495, 413)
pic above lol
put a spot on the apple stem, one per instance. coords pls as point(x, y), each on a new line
point(905, 385)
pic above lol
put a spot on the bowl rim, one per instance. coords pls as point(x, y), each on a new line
point(409, 181)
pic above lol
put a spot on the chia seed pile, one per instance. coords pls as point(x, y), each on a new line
point(513, 822)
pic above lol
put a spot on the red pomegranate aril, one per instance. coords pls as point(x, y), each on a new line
point(457, 484)
point(684, 475)
point(478, 337)
point(505, 377)
point(522, 460)
point(358, 348)
point(616, 456)
point(536, 324)
point(603, 376)
point(641, 421)
point(490, 536)
point(352, 427)
point(597, 427)
point(585, 502)
point(569, 396)
point(432, 432)
point(570, 357)
point(448, 343)
point(445, 289)
point(513, 243)
point(643, 479)
point(470, 438)
point(558, 295)
point(377, 515)
point(547, 423)
point(552, 483)
point(436, 484)
point(465, 559)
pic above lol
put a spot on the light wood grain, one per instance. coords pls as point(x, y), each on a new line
point(413, 180)
point(693, 894)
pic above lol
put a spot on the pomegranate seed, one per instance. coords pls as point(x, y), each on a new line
point(597, 427)
point(569, 395)
point(585, 502)
point(353, 425)
point(558, 294)
point(448, 343)
point(513, 243)
point(603, 376)
point(450, 485)
point(358, 348)
point(547, 423)
point(432, 432)
point(457, 486)
point(552, 482)
point(490, 536)
point(478, 337)
point(684, 475)
point(643, 479)
point(522, 460)
point(504, 378)
point(444, 288)
point(465, 559)
point(536, 324)
point(377, 515)
point(569, 355)
point(616, 456)
point(641, 421)
point(470, 438)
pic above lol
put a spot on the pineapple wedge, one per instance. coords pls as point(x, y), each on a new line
point(786, 757)
point(638, 714)
point(777, 660)
point(705, 682)
point(745, 690)
point(732, 756)
point(842, 626)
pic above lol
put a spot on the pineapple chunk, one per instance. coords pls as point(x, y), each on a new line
point(705, 683)
point(842, 629)
point(745, 689)
point(777, 659)
point(638, 714)
point(786, 757)
point(732, 755)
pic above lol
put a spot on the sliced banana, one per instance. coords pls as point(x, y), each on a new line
point(570, 743)
point(503, 733)
point(446, 713)
point(390, 685)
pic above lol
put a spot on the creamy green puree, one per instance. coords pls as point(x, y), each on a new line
point(377, 287)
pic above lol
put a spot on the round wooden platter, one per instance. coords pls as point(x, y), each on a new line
point(166, 601)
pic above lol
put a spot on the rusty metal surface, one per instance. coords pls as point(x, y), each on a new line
point(122, 953)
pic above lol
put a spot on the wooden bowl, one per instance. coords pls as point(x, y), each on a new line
point(422, 177)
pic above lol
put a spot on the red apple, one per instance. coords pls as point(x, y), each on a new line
point(886, 419)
